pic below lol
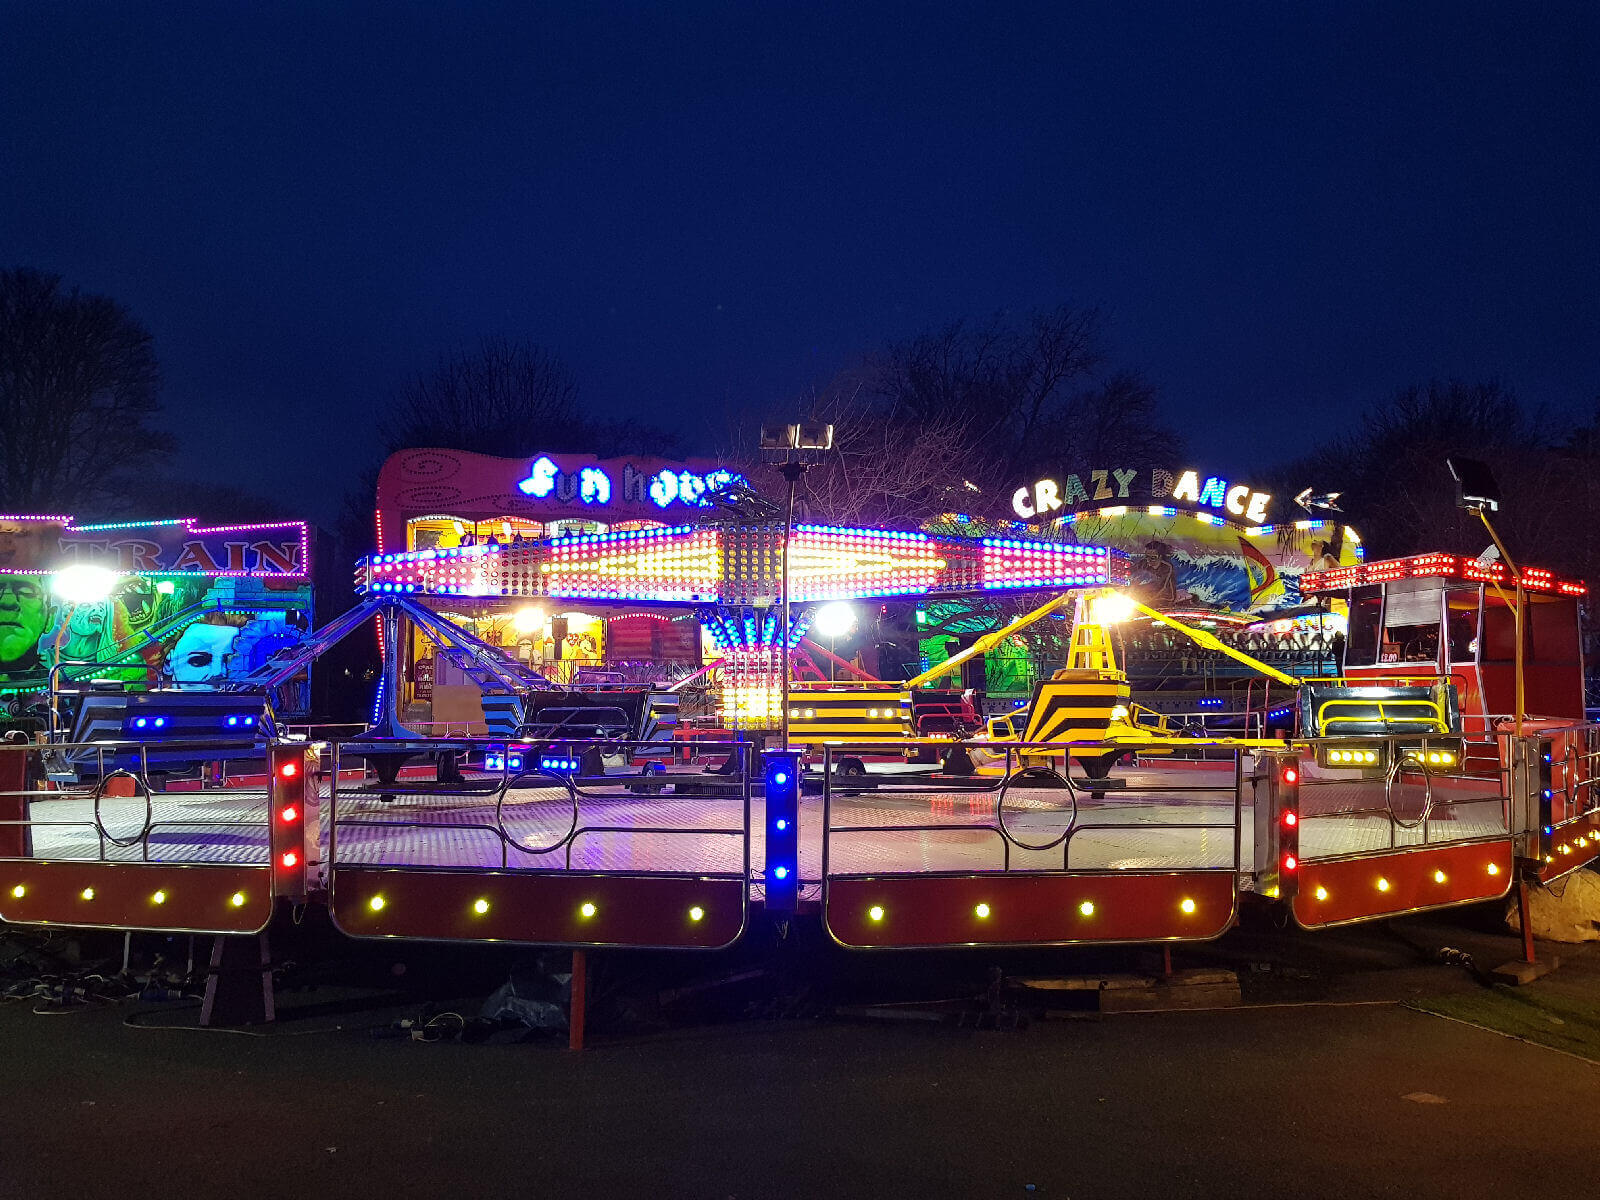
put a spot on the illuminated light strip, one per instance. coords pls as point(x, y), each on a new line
point(1436, 565)
point(830, 563)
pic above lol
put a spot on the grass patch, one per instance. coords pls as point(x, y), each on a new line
point(1560, 1020)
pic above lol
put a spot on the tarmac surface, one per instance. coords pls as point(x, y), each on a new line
point(1328, 1081)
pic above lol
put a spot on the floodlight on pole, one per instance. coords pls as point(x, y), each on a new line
point(84, 583)
point(834, 619)
point(1477, 491)
point(792, 449)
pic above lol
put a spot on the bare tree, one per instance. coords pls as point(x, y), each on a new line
point(504, 398)
point(509, 398)
point(1399, 495)
point(951, 420)
point(78, 385)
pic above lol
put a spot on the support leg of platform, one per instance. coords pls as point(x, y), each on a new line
point(1526, 923)
point(239, 982)
point(1166, 962)
point(579, 1004)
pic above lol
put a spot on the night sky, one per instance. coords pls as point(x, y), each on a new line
point(1287, 209)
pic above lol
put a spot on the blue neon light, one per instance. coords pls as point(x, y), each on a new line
point(541, 480)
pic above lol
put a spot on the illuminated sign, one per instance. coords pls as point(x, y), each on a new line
point(1040, 500)
point(593, 484)
point(1239, 499)
point(1048, 495)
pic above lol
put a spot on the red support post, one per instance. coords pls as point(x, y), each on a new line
point(578, 1006)
point(14, 838)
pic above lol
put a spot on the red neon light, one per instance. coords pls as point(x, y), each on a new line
point(1450, 566)
point(290, 858)
point(289, 770)
point(289, 814)
point(1290, 775)
point(1290, 819)
point(1290, 863)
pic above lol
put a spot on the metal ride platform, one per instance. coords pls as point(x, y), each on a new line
point(675, 854)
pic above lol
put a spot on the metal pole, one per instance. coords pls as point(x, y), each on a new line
point(792, 472)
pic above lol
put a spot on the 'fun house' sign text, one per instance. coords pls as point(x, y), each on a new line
point(1042, 499)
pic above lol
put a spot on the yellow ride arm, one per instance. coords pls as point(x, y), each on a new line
point(987, 642)
point(1210, 642)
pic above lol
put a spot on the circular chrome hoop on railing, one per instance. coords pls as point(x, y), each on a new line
point(499, 812)
point(1427, 790)
point(1000, 809)
point(149, 809)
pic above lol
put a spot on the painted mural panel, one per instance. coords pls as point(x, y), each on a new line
point(1188, 560)
point(192, 606)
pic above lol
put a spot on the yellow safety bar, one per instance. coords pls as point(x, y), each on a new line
point(1431, 712)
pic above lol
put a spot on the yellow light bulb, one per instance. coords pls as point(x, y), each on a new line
point(876, 912)
point(982, 910)
point(480, 907)
point(1322, 893)
point(587, 908)
point(159, 898)
point(1383, 884)
point(237, 899)
point(87, 893)
point(1087, 908)
point(696, 913)
point(376, 904)
point(1187, 905)
point(1438, 876)
point(19, 891)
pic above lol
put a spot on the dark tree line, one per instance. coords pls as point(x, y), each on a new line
point(1399, 495)
point(950, 420)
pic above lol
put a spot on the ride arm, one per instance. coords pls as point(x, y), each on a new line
point(705, 670)
point(988, 642)
point(854, 670)
point(289, 661)
point(1211, 642)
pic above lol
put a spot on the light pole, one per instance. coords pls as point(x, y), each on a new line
point(1478, 492)
point(792, 449)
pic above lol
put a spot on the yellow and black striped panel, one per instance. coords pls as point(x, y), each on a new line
point(849, 716)
point(1075, 710)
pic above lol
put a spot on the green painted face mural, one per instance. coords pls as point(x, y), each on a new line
point(25, 614)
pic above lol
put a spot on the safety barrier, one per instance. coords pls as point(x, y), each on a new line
point(1409, 832)
point(587, 843)
point(1565, 805)
point(1035, 857)
point(516, 843)
point(86, 843)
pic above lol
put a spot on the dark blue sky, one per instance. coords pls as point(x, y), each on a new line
point(1288, 209)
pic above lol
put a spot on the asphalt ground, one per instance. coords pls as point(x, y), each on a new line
point(1331, 1080)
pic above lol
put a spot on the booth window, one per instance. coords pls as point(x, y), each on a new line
point(1366, 609)
point(1461, 624)
point(1410, 622)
